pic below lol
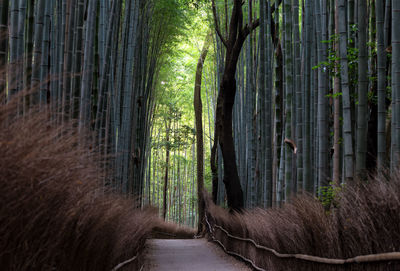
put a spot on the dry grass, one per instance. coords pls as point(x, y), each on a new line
point(53, 213)
point(366, 221)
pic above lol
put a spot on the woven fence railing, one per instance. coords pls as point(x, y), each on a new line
point(372, 258)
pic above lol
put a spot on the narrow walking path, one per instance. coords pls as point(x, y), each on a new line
point(189, 254)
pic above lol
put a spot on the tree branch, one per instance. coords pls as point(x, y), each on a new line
point(217, 28)
point(253, 25)
point(235, 21)
point(250, 27)
point(273, 6)
point(240, 21)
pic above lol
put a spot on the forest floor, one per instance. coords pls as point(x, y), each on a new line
point(188, 254)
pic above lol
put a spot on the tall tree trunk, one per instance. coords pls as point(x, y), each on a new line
point(249, 111)
point(226, 98)
point(88, 64)
point(381, 55)
point(78, 53)
point(372, 125)
point(198, 110)
point(213, 156)
point(307, 153)
point(214, 168)
point(104, 72)
point(298, 105)
point(13, 54)
point(388, 23)
point(224, 125)
point(278, 102)
point(3, 45)
point(68, 57)
point(37, 52)
point(265, 100)
point(344, 74)
point(395, 85)
point(322, 110)
point(362, 112)
point(167, 153)
point(44, 65)
point(21, 40)
point(289, 86)
point(336, 117)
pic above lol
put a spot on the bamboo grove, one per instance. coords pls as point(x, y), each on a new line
point(316, 99)
point(95, 62)
point(317, 95)
point(315, 106)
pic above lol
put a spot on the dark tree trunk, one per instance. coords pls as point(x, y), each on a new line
point(166, 170)
point(225, 102)
point(198, 110)
point(214, 169)
point(233, 42)
point(224, 125)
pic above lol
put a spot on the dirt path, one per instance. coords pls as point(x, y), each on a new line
point(189, 254)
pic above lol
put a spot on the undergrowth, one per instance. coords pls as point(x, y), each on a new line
point(363, 218)
point(54, 215)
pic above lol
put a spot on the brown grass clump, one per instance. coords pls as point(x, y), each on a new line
point(53, 213)
point(168, 230)
point(366, 220)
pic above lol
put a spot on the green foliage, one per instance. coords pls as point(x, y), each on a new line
point(352, 56)
point(328, 195)
point(372, 97)
point(333, 61)
point(169, 23)
point(353, 31)
point(334, 95)
point(188, 23)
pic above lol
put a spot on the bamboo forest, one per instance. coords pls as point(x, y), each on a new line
point(134, 131)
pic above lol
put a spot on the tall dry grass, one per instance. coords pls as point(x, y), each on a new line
point(53, 212)
point(366, 220)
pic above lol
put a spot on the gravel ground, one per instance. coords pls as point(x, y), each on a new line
point(189, 254)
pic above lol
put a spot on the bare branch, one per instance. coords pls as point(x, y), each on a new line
point(254, 24)
point(217, 28)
